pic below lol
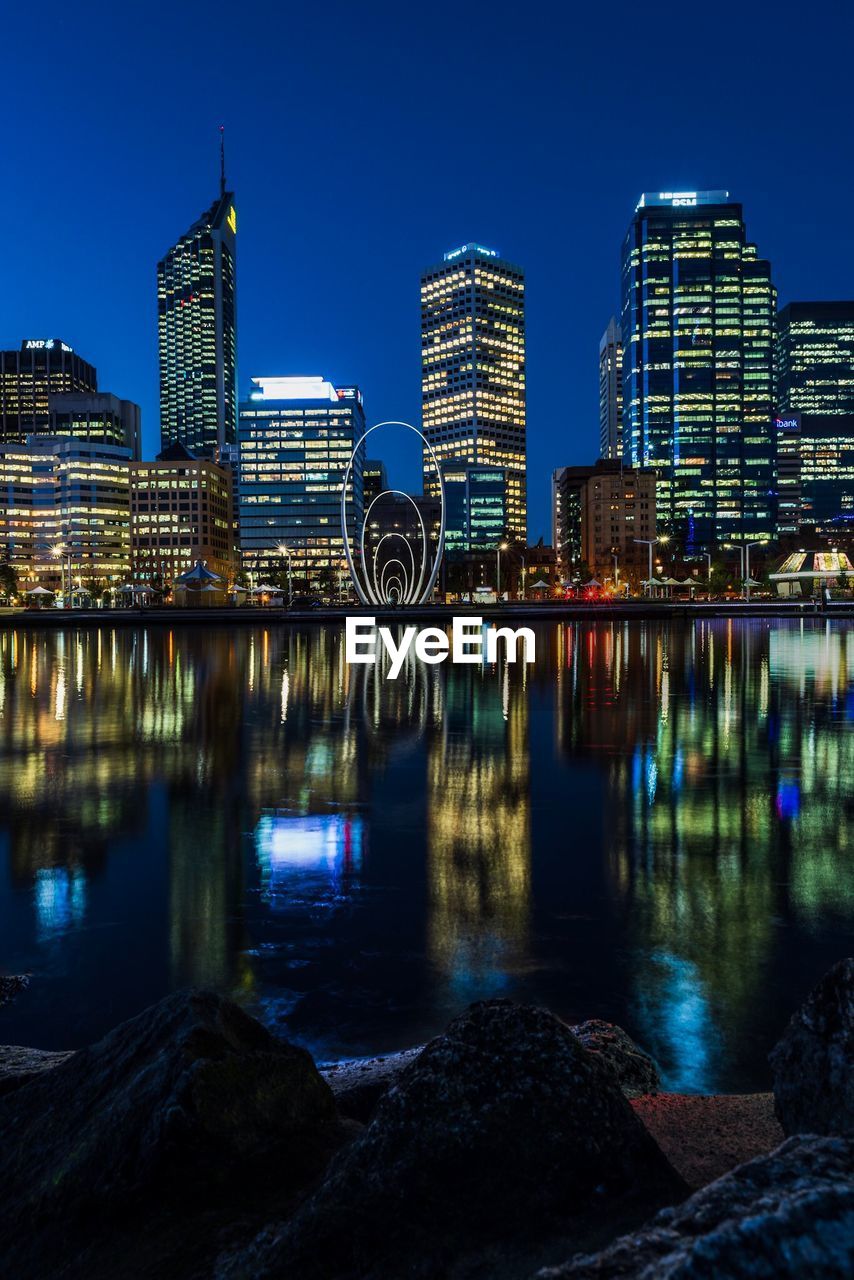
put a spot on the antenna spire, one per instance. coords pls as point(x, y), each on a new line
point(222, 160)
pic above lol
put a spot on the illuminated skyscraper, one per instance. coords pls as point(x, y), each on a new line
point(698, 367)
point(296, 438)
point(473, 368)
point(42, 368)
point(196, 306)
point(611, 391)
point(815, 424)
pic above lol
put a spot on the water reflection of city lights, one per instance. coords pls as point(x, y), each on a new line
point(329, 845)
point(60, 900)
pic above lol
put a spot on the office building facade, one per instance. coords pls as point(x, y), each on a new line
point(296, 438)
point(473, 390)
point(597, 513)
point(29, 377)
point(182, 510)
point(197, 334)
point(611, 391)
point(96, 416)
point(698, 322)
point(65, 510)
point(476, 511)
point(815, 420)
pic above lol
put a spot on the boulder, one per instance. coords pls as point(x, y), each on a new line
point(19, 1065)
point(12, 986)
point(503, 1124)
point(813, 1063)
point(191, 1104)
point(635, 1070)
point(358, 1083)
point(786, 1216)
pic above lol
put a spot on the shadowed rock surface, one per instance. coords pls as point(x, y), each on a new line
point(634, 1069)
point(19, 1065)
point(358, 1083)
point(187, 1106)
point(786, 1216)
point(813, 1063)
point(706, 1135)
point(505, 1124)
point(11, 987)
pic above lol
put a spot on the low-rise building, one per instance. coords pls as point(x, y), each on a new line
point(181, 511)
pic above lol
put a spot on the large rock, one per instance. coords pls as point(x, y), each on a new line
point(504, 1123)
point(12, 986)
point(635, 1070)
point(813, 1063)
point(19, 1065)
point(786, 1216)
point(190, 1104)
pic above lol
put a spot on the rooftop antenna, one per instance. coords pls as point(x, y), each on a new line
point(222, 160)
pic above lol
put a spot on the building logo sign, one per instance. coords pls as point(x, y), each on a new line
point(45, 344)
point(400, 581)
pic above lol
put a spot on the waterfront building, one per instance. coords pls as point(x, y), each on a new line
point(473, 369)
point(96, 416)
point(65, 509)
point(182, 510)
point(698, 321)
point(476, 510)
point(611, 391)
point(815, 422)
point(196, 318)
point(296, 438)
point(30, 376)
point(374, 480)
point(597, 513)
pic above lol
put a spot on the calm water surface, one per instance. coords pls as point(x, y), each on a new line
point(652, 825)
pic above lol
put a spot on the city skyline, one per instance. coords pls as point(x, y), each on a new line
point(338, 213)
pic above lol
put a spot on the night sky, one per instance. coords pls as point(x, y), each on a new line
point(363, 140)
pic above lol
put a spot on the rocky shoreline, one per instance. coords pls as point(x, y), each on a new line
point(191, 1143)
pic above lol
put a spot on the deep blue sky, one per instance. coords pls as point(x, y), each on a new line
point(364, 140)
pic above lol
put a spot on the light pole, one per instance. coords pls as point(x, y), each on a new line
point(616, 560)
point(58, 553)
point(286, 551)
point(502, 546)
point(649, 543)
point(708, 556)
point(747, 547)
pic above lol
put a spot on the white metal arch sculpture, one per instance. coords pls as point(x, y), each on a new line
point(397, 588)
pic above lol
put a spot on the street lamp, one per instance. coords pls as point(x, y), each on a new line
point(649, 543)
point(502, 546)
point(743, 549)
point(285, 551)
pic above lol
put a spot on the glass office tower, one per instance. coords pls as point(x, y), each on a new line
point(611, 391)
point(473, 369)
point(698, 324)
point(475, 507)
point(29, 377)
point(296, 436)
point(196, 319)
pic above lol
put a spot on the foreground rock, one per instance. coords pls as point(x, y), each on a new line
point(635, 1070)
point(503, 1124)
point(786, 1216)
point(813, 1063)
point(19, 1065)
point(10, 987)
point(190, 1104)
point(706, 1135)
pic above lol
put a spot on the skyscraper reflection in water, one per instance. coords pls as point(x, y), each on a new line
point(651, 824)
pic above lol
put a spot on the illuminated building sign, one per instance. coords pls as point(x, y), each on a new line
point(471, 248)
point(231, 219)
point(682, 199)
point(44, 344)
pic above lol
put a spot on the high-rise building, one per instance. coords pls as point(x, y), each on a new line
point(473, 369)
point(96, 416)
point(815, 423)
point(815, 358)
point(475, 507)
point(597, 513)
point(43, 367)
point(698, 325)
point(196, 317)
point(374, 480)
point(65, 508)
point(611, 391)
point(182, 510)
point(296, 438)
